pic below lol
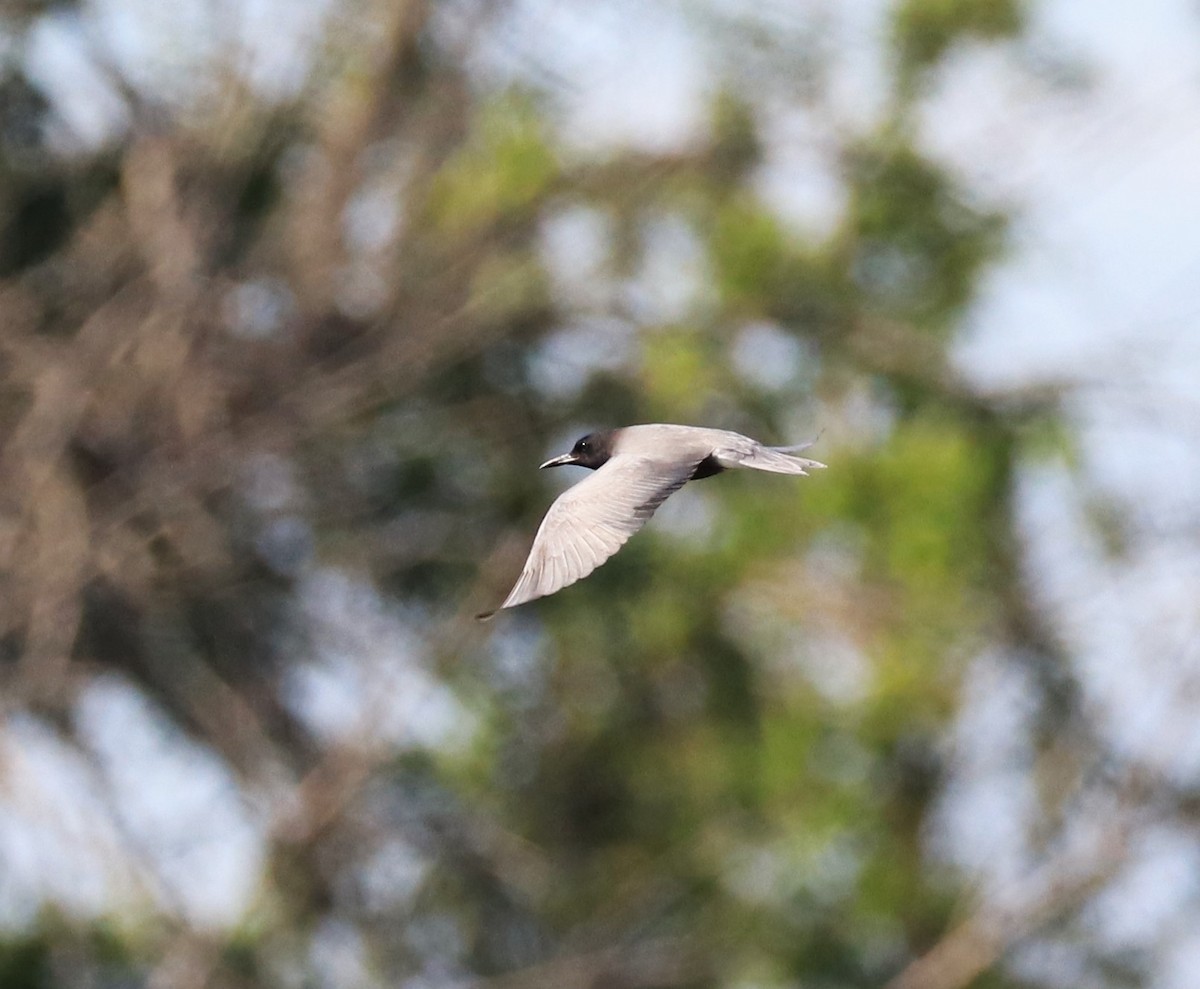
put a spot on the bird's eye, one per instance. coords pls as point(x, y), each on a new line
point(583, 446)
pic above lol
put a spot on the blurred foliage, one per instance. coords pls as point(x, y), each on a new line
point(918, 248)
point(502, 174)
point(237, 359)
point(925, 29)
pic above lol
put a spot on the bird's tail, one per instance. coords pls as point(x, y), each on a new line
point(781, 459)
point(778, 460)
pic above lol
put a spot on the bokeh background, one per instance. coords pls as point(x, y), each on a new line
point(294, 297)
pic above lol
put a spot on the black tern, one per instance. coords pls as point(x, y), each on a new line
point(636, 469)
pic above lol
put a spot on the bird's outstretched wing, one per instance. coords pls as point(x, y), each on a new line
point(589, 522)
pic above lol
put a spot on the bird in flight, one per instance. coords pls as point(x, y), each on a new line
point(635, 470)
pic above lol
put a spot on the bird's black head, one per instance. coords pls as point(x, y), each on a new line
point(591, 451)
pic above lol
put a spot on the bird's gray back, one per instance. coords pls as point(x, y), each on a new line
point(664, 441)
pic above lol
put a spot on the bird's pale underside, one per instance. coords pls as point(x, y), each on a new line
point(635, 470)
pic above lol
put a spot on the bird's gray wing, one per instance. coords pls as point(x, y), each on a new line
point(589, 522)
